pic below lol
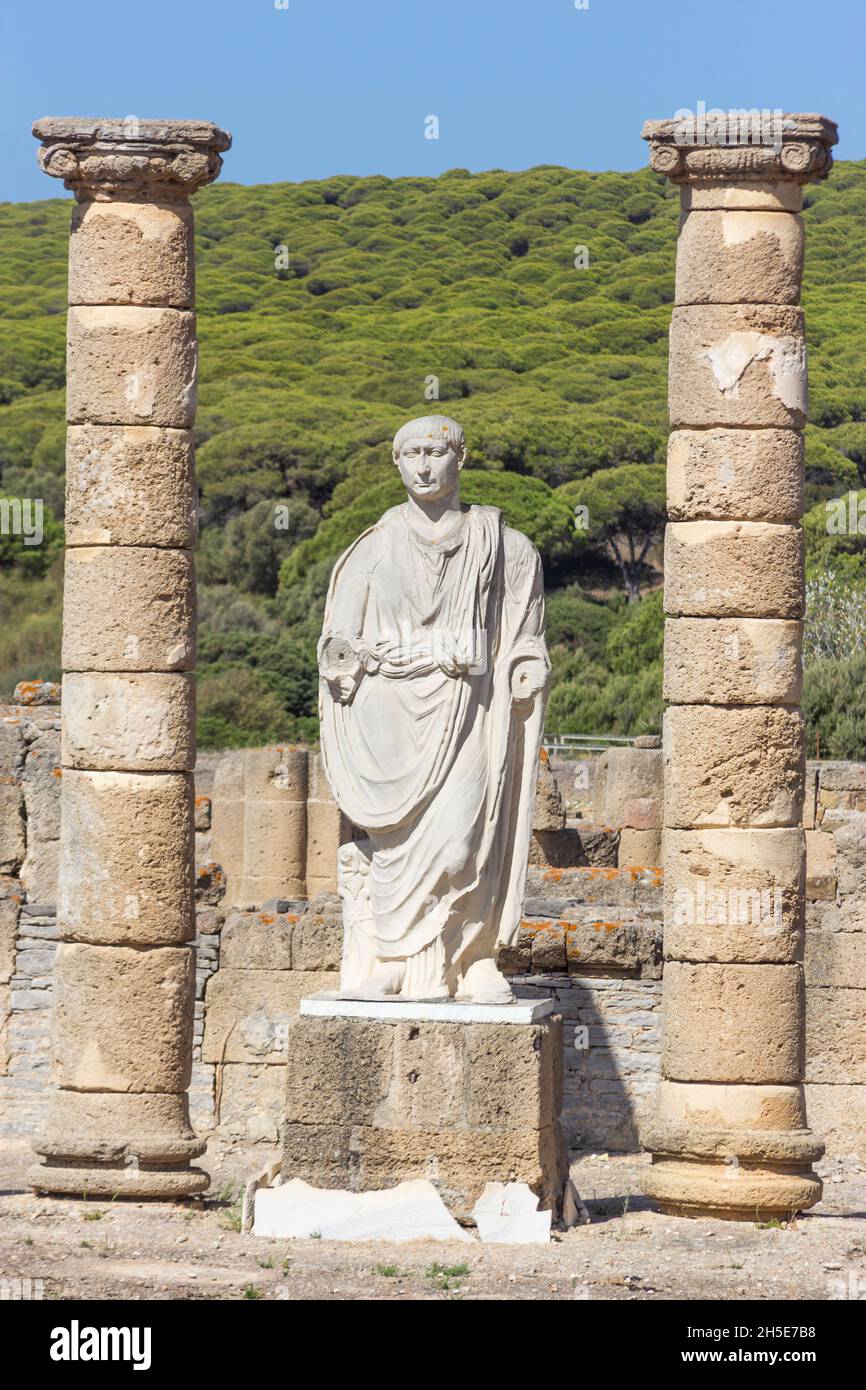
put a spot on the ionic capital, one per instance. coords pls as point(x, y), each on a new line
point(130, 159)
point(740, 146)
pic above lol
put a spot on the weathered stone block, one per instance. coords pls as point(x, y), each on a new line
point(838, 1113)
point(111, 1126)
point(727, 1108)
point(835, 1036)
point(639, 848)
point(730, 474)
point(275, 842)
point(614, 946)
point(130, 485)
point(128, 608)
point(547, 944)
point(252, 1103)
point(126, 862)
point(260, 824)
point(733, 1023)
point(11, 745)
point(9, 909)
point(842, 776)
point(514, 1074)
point(339, 1071)
point(734, 895)
point(820, 866)
point(227, 837)
point(317, 940)
point(733, 661)
point(132, 253)
point(276, 773)
point(129, 723)
point(628, 788)
point(548, 812)
point(372, 1103)
point(739, 257)
point(257, 941)
point(738, 364)
point(132, 366)
point(721, 569)
point(12, 841)
point(836, 960)
point(327, 829)
point(123, 1017)
point(733, 767)
point(249, 1012)
point(772, 196)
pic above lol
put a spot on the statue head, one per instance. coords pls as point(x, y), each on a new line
point(429, 453)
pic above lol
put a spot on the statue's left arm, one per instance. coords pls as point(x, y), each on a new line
point(524, 619)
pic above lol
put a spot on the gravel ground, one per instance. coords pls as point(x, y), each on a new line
point(194, 1249)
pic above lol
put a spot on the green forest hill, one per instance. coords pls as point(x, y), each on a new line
point(537, 305)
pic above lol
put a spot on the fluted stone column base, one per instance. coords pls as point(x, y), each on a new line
point(122, 1145)
point(742, 1191)
point(737, 1152)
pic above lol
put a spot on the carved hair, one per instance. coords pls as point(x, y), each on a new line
point(431, 424)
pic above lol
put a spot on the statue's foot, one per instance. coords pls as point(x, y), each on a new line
point(385, 978)
point(426, 992)
point(483, 983)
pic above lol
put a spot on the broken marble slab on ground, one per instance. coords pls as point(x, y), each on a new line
point(505, 1214)
point(409, 1211)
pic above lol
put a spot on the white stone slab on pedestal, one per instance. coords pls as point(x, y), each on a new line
point(392, 1009)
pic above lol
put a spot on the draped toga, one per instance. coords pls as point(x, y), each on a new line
point(431, 757)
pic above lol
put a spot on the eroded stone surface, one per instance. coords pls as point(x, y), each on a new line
point(123, 1017)
point(735, 475)
point(737, 364)
point(733, 1023)
point(729, 766)
point(733, 661)
point(129, 723)
point(734, 895)
point(739, 257)
point(719, 569)
point(132, 366)
point(129, 485)
point(132, 253)
point(126, 873)
point(128, 610)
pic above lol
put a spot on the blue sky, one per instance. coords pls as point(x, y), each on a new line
point(344, 86)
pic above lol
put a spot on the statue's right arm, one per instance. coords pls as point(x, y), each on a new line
point(347, 612)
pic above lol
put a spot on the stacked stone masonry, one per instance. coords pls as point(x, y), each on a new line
point(125, 967)
point(729, 1135)
point(591, 939)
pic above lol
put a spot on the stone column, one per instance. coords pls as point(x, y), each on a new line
point(730, 1136)
point(124, 980)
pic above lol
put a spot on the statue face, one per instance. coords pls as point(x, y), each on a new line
point(429, 466)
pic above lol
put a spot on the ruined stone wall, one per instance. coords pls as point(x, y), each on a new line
point(591, 936)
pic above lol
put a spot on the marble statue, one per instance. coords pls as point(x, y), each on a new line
point(434, 677)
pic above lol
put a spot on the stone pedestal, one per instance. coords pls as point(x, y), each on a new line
point(462, 1094)
point(730, 1136)
point(124, 984)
